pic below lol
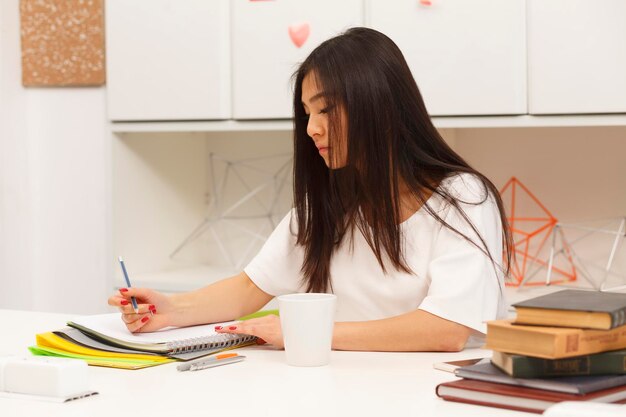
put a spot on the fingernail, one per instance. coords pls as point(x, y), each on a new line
point(124, 302)
point(218, 327)
point(152, 308)
point(153, 311)
point(145, 319)
point(232, 327)
point(123, 289)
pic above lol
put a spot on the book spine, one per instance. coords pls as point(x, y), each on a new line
point(618, 318)
point(600, 364)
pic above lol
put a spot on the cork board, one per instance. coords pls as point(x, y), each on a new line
point(62, 42)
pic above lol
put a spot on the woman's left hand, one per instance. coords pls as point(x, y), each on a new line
point(266, 329)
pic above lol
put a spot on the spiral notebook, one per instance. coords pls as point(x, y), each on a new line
point(176, 342)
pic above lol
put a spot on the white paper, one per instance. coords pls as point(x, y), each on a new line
point(113, 326)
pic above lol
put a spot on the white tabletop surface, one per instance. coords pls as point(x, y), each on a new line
point(354, 384)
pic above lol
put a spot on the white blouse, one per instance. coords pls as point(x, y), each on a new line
point(451, 278)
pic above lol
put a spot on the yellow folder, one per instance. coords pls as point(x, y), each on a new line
point(52, 345)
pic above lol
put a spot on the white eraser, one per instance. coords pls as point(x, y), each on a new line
point(43, 375)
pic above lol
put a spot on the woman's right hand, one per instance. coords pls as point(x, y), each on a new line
point(155, 309)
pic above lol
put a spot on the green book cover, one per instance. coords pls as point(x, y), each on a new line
point(519, 366)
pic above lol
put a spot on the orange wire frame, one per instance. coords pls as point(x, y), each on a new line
point(525, 253)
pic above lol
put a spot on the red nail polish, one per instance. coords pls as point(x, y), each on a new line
point(152, 307)
point(153, 311)
point(123, 289)
point(218, 327)
point(145, 319)
point(124, 302)
point(232, 327)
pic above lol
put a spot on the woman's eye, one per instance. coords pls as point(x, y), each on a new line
point(326, 109)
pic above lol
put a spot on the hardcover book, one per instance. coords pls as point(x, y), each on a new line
point(552, 342)
point(578, 385)
point(520, 366)
point(518, 398)
point(574, 308)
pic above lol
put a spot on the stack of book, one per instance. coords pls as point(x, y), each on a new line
point(565, 346)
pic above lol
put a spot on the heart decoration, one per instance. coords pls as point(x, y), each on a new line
point(299, 33)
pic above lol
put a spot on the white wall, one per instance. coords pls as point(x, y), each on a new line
point(54, 169)
point(578, 173)
point(160, 186)
point(15, 205)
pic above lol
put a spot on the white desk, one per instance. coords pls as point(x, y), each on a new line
point(354, 384)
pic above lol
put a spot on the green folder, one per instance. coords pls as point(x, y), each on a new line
point(258, 314)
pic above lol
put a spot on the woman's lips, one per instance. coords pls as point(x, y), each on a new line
point(323, 149)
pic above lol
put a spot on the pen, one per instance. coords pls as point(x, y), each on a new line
point(132, 299)
point(203, 363)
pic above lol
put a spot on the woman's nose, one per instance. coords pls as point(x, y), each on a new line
point(314, 127)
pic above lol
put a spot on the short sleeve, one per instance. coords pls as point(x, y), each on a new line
point(465, 285)
point(276, 268)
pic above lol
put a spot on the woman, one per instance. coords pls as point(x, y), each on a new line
point(386, 216)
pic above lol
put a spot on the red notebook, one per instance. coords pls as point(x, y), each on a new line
point(519, 398)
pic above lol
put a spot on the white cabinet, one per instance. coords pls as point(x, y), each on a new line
point(577, 56)
point(168, 59)
point(269, 39)
point(468, 57)
point(209, 60)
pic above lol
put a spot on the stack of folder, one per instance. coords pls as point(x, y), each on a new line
point(71, 343)
point(565, 346)
point(103, 340)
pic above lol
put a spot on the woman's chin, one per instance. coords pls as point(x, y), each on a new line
point(333, 165)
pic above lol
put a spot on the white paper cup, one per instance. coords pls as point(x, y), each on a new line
point(307, 322)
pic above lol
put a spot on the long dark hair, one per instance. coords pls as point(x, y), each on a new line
point(390, 138)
